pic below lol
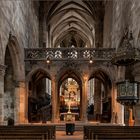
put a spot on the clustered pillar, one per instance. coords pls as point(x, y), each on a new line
point(84, 100)
point(20, 103)
point(97, 100)
point(55, 112)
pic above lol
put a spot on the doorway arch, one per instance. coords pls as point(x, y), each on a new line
point(14, 86)
point(39, 96)
point(70, 99)
point(17, 58)
point(102, 101)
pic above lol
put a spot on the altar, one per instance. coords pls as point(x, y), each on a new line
point(69, 116)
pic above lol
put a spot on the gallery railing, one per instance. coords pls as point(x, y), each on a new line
point(69, 53)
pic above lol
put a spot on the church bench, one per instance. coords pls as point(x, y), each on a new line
point(111, 132)
point(114, 135)
point(19, 137)
point(46, 132)
point(117, 136)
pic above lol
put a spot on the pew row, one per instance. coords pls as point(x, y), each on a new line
point(27, 132)
point(111, 132)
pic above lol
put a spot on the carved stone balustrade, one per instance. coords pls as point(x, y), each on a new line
point(104, 54)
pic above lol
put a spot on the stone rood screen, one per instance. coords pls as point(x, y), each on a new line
point(104, 54)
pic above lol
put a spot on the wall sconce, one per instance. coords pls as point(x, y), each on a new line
point(48, 61)
point(91, 60)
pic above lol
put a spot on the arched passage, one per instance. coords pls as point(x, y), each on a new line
point(17, 58)
point(99, 93)
point(14, 86)
point(9, 88)
point(39, 96)
point(70, 94)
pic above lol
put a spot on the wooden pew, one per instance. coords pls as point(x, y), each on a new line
point(46, 132)
point(111, 132)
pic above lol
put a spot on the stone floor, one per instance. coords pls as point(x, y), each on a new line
point(61, 135)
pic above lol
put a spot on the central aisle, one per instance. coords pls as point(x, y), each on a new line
point(61, 135)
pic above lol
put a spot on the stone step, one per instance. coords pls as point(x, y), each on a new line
point(62, 127)
point(61, 135)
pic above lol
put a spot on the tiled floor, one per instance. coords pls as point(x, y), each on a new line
point(61, 135)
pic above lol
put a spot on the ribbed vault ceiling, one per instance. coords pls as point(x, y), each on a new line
point(72, 21)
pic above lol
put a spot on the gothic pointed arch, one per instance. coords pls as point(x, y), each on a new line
point(17, 55)
point(70, 92)
point(69, 68)
point(39, 95)
point(14, 81)
point(101, 92)
point(36, 70)
point(102, 75)
point(69, 73)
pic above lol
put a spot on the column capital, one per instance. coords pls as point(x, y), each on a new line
point(2, 69)
point(19, 83)
point(53, 77)
point(85, 78)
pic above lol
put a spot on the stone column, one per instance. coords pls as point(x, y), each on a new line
point(84, 99)
point(97, 100)
point(20, 103)
point(2, 73)
point(119, 114)
point(136, 74)
point(114, 102)
point(54, 97)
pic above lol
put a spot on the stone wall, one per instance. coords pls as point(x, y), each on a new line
point(120, 14)
point(20, 17)
point(8, 89)
point(125, 14)
point(107, 25)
